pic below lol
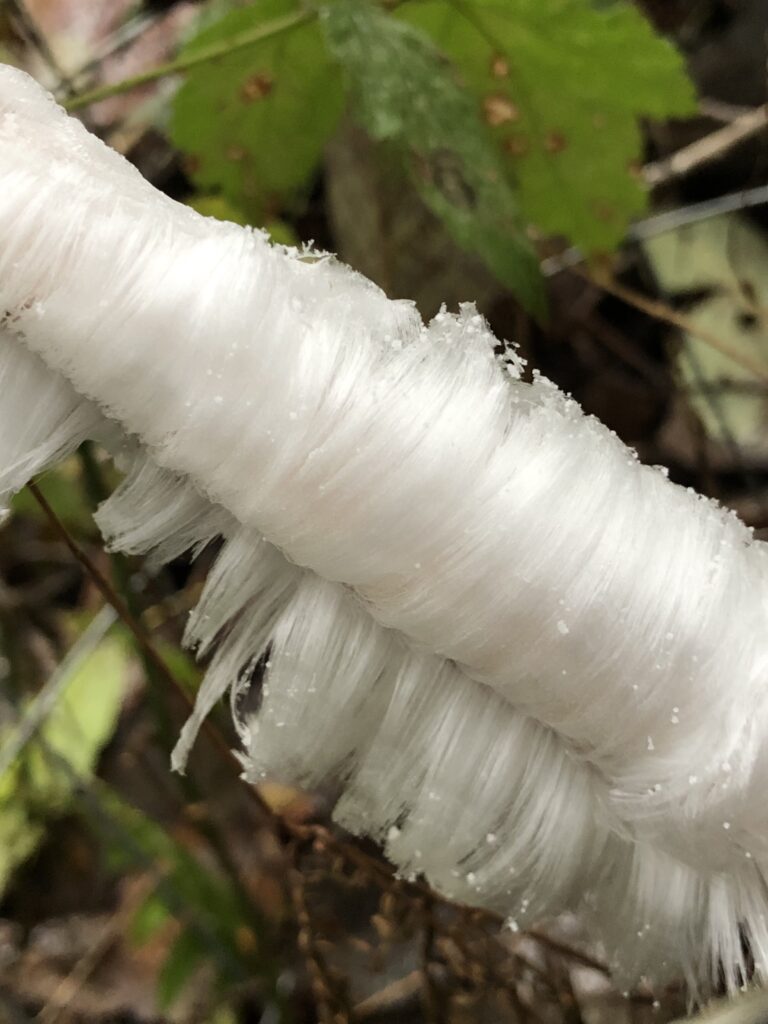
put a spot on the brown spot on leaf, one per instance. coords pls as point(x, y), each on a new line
point(256, 87)
point(599, 121)
point(604, 212)
point(555, 142)
point(235, 153)
point(635, 168)
point(192, 163)
point(498, 109)
point(517, 145)
point(499, 66)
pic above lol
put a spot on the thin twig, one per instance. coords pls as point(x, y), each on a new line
point(429, 993)
point(669, 220)
point(106, 588)
point(326, 1002)
point(719, 110)
point(136, 628)
point(661, 311)
point(620, 347)
point(98, 491)
point(389, 999)
point(707, 149)
point(184, 63)
point(566, 951)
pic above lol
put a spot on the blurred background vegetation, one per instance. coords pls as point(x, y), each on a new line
point(593, 174)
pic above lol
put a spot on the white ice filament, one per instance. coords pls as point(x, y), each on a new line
point(535, 668)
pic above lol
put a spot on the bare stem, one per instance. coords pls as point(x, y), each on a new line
point(190, 60)
point(711, 147)
point(663, 312)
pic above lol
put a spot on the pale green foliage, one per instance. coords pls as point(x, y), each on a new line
point(35, 787)
point(561, 85)
point(723, 261)
point(254, 123)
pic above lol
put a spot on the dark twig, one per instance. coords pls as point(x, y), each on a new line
point(323, 989)
point(430, 995)
point(709, 148)
point(661, 311)
point(669, 220)
point(142, 637)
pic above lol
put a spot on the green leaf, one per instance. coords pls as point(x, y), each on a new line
point(407, 94)
point(87, 713)
point(151, 916)
point(561, 84)
point(254, 123)
point(185, 956)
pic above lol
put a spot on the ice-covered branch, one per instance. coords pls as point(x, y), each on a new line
point(537, 667)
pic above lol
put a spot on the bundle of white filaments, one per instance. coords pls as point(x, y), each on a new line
point(536, 667)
